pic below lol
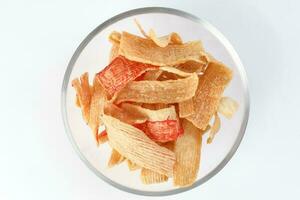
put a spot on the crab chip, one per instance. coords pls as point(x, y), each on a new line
point(170, 91)
point(187, 150)
point(214, 129)
point(150, 177)
point(114, 51)
point(121, 71)
point(164, 41)
point(146, 51)
point(132, 166)
point(186, 108)
point(114, 37)
point(96, 108)
point(227, 107)
point(210, 89)
point(133, 144)
point(83, 94)
point(115, 158)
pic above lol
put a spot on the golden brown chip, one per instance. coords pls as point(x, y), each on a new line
point(114, 52)
point(170, 91)
point(176, 71)
point(164, 41)
point(77, 102)
point(152, 75)
point(214, 129)
point(187, 151)
point(83, 92)
point(133, 144)
point(132, 166)
point(139, 26)
point(227, 107)
point(149, 177)
point(96, 107)
point(146, 51)
point(150, 115)
point(114, 37)
point(115, 158)
point(192, 66)
point(210, 89)
point(186, 108)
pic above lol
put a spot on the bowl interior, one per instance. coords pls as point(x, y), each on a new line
point(94, 57)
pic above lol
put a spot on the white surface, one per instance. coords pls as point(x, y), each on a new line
point(36, 42)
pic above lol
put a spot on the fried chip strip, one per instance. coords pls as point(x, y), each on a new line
point(210, 89)
point(163, 41)
point(214, 129)
point(176, 71)
point(83, 93)
point(227, 107)
point(114, 52)
point(152, 75)
point(133, 144)
point(170, 91)
point(192, 66)
point(149, 177)
point(132, 166)
point(115, 158)
point(114, 37)
point(186, 108)
point(121, 71)
point(187, 150)
point(139, 26)
point(146, 51)
point(96, 108)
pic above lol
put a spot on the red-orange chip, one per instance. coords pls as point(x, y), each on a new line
point(161, 131)
point(119, 72)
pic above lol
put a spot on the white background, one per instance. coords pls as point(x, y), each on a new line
point(37, 39)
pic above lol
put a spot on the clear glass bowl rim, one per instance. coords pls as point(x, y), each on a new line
point(147, 10)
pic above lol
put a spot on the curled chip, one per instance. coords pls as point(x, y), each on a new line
point(96, 108)
point(161, 131)
point(152, 75)
point(115, 158)
point(170, 91)
point(209, 92)
point(114, 37)
point(132, 166)
point(186, 108)
point(84, 94)
point(164, 41)
point(119, 72)
point(146, 51)
point(149, 177)
point(133, 144)
point(214, 129)
point(139, 26)
point(187, 151)
point(114, 51)
point(227, 107)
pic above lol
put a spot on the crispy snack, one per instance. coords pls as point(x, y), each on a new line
point(133, 144)
point(139, 26)
point(186, 108)
point(114, 37)
point(114, 51)
point(187, 150)
point(176, 71)
point(77, 102)
point(170, 91)
point(102, 137)
point(227, 107)
point(96, 108)
point(132, 166)
point(115, 158)
point(161, 131)
point(146, 51)
point(192, 66)
point(164, 41)
point(149, 177)
point(121, 71)
point(83, 93)
point(210, 89)
point(152, 75)
point(150, 115)
point(214, 129)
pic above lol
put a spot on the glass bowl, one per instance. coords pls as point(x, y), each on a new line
point(92, 56)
